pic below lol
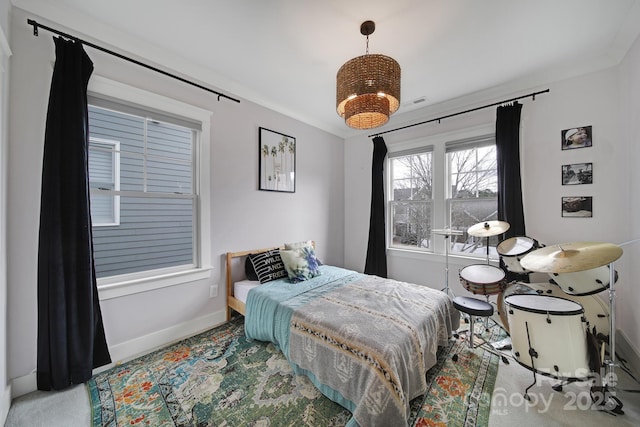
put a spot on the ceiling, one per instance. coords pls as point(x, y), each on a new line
point(284, 54)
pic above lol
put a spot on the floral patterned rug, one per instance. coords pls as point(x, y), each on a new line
point(218, 378)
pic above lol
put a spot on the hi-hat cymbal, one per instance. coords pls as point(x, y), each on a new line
point(488, 228)
point(448, 232)
point(571, 257)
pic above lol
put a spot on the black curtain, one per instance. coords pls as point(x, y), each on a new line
point(376, 249)
point(509, 182)
point(71, 339)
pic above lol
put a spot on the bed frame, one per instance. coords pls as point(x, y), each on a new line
point(235, 271)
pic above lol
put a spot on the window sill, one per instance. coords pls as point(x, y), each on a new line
point(437, 257)
point(134, 286)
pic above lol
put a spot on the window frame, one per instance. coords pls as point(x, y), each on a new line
point(127, 284)
point(440, 180)
point(391, 203)
point(479, 141)
point(116, 181)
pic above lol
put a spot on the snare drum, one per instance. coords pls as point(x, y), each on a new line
point(595, 309)
point(549, 335)
point(586, 282)
point(512, 250)
point(483, 279)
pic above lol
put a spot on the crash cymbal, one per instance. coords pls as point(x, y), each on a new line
point(448, 232)
point(571, 257)
point(488, 228)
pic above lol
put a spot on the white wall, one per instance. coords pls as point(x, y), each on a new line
point(5, 389)
point(593, 99)
point(242, 217)
point(629, 88)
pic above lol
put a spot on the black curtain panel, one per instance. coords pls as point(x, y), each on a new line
point(71, 340)
point(509, 182)
point(376, 263)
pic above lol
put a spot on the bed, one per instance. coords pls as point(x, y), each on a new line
point(364, 341)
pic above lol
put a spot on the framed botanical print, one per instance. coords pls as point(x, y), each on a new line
point(277, 164)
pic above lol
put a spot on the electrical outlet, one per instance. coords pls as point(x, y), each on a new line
point(213, 291)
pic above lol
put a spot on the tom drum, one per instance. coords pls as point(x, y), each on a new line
point(549, 335)
point(512, 250)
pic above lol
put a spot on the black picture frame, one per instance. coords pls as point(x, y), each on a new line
point(577, 206)
point(577, 174)
point(576, 137)
point(277, 161)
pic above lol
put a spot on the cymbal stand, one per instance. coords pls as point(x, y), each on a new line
point(447, 242)
point(447, 233)
point(487, 250)
point(611, 364)
point(606, 399)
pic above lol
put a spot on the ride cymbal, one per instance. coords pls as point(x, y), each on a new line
point(488, 228)
point(571, 257)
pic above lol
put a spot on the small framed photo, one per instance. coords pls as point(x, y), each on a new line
point(577, 173)
point(578, 137)
point(277, 165)
point(577, 207)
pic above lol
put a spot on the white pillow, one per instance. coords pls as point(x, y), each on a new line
point(301, 263)
point(296, 245)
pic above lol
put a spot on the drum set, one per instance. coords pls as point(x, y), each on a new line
point(557, 329)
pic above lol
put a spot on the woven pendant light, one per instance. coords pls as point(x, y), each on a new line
point(368, 87)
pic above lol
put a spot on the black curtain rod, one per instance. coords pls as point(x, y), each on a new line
point(36, 25)
point(532, 95)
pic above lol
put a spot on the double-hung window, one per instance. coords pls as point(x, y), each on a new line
point(146, 171)
point(104, 180)
point(411, 198)
point(472, 191)
point(450, 185)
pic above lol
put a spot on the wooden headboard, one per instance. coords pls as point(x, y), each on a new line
point(235, 272)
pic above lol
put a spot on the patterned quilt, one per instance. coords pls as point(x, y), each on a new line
point(365, 342)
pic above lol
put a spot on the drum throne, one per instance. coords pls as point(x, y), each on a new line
point(474, 308)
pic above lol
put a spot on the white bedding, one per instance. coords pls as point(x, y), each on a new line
point(241, 289)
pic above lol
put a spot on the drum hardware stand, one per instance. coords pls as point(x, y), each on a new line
point(487, 244)
point(602, 394)
point(532, 354)
point(446, 267)
point(447, 233)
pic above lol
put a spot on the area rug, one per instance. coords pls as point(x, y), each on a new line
point(218, 378)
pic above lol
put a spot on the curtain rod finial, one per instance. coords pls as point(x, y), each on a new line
point(35, 26)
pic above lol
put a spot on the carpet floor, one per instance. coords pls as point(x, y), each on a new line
point(218, 378)
point(570, 407)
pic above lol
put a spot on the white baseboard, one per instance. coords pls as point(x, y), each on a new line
point(627, 351)
point(23, 385)
point(131, 349)
point(5, 404)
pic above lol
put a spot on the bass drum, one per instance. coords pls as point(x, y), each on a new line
point(549, 335)
point(586, 282)
point(595, 309)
